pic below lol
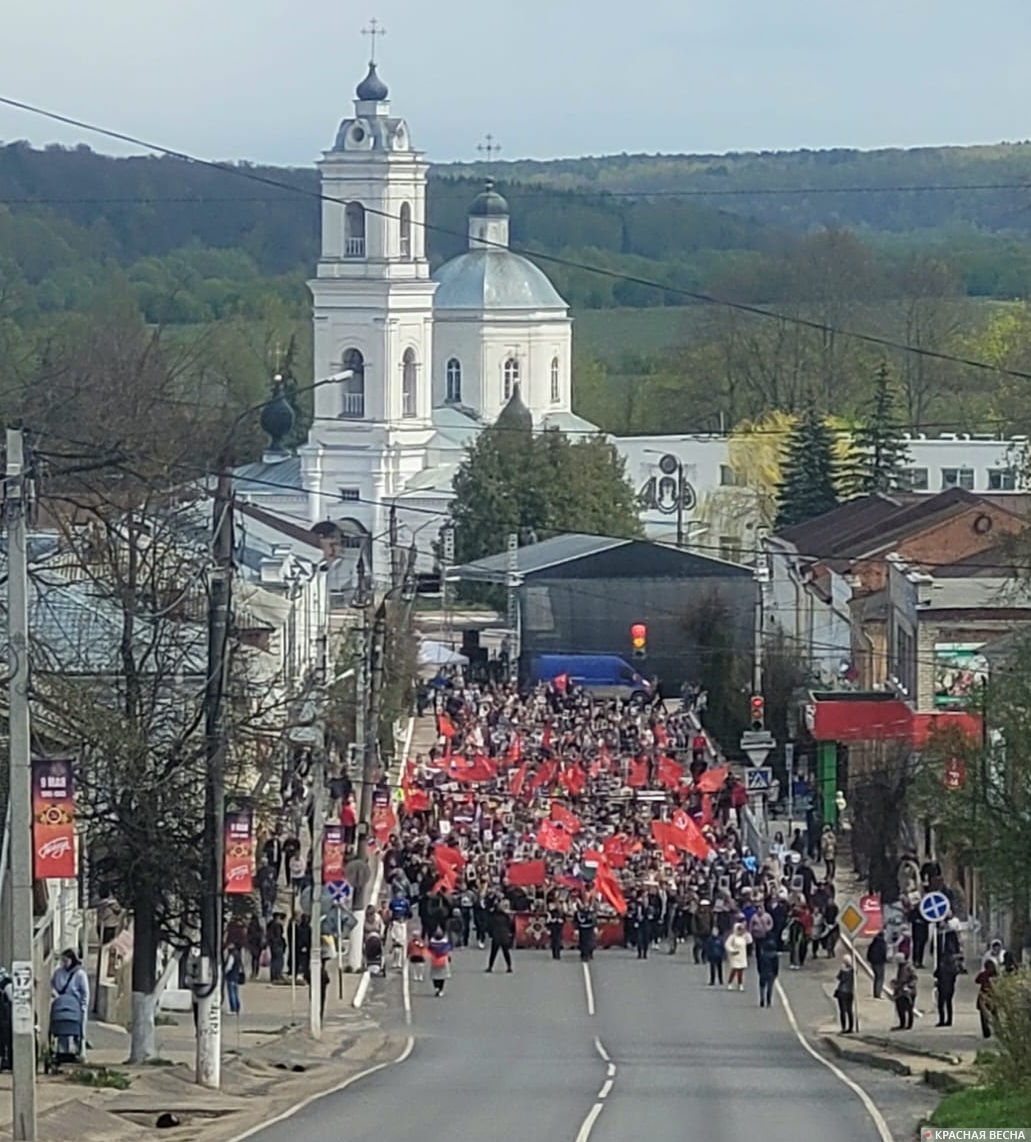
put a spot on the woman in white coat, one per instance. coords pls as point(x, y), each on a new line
point(737, 956)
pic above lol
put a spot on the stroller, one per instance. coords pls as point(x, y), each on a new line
point(374, 958)
point(66, 1032)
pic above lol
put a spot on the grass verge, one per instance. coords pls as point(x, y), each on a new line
point(983, 1107)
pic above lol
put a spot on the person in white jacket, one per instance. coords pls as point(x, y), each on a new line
point(737, 956)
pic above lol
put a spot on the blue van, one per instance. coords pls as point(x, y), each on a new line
point(605, 675)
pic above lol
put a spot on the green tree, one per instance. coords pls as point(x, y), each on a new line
point(985, 822)
point(880, 451)
point(808, 487)
point(537, 485)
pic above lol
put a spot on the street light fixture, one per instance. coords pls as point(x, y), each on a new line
point(668, 464)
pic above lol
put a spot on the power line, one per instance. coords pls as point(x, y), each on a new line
point(553, 259)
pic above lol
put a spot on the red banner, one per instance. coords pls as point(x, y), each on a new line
point(53, 819)
point(332, 853)
point(238, 842)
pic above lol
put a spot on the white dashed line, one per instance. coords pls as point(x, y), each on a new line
point(606, 1087)
point(612, 1070)
point(601, 1051)
point(588, 1123)
point(406, 992)
point(588, 989)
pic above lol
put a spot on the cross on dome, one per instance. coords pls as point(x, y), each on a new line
point(373, 31)
point(489, 147)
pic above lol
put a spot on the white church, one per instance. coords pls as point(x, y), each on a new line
point(409, 367)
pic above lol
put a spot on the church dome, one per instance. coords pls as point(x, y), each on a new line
point(372, 89)
point(489, 204)
point(515, 415)
point(494, 279)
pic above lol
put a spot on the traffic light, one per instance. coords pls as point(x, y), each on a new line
point(639, 639)
point(757, 708)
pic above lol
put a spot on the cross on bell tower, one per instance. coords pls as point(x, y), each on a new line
point(374, 31)
point(489, 147)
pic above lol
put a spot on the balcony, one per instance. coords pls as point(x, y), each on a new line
point(354, 247)
point(406, 248)
point(354, 406)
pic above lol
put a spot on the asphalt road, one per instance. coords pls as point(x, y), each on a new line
point(510, 1057)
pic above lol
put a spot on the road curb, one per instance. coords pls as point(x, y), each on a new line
point(866, 1058)
point(362, 990)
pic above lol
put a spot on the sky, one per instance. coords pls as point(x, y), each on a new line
point(268, 80)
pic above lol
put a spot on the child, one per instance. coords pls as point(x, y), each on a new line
point(398, 939)
point(417, 957)
point(439, 951)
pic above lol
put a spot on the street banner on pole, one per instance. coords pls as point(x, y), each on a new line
point(332, 854)
point(238, 834)
point(53, 819)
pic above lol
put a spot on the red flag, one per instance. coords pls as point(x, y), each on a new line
point(690, 839)
point(670, 774)
point(638, 775)
point(713, 780)
point(680, 819)
point(448, 881)
point(445, 726)
point(471, 770)
point(448, 860)
point(517, 781)
point(562, 816)
point(544, 776)
point(606, 883)
point(417, 801)
point(526, 873)
point(615, 851)
point(574, 780)
point(553, 839)
point(707, 817)
point(384, 822)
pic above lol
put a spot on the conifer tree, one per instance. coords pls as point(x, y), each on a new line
point(880, 452)
point(808, 486)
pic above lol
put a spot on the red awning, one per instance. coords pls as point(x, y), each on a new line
point(856, 717)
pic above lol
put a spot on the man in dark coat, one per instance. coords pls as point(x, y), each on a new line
point(502, 935)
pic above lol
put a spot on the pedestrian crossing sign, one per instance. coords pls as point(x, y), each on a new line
point(852, 919)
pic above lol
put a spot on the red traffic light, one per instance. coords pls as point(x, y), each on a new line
point(757, 707)
point(638, 635)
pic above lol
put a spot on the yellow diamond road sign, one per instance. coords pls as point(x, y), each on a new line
point(852, 919)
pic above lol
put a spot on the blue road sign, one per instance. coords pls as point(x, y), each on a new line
point(758, 780)
point(935, 907)
point(339, 892)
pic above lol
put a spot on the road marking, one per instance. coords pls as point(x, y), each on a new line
point(606, 1087)
point(864, 1098)
point(588, 1123)
point(611, 1071)
point(362, 990)
point(601, 1051)
point(305, 1103)
point(406, 992)
point(589, 989)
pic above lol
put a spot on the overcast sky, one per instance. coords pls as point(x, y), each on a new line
point(268, 80)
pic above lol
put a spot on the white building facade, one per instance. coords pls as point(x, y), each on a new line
point(409, 367)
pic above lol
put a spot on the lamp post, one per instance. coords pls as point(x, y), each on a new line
point(668, 464)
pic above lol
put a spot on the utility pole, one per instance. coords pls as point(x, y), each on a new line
point(209, 985)
point(20, 795)
point(395, 550)
point(515, 649)
point(447, 559)
point(681, 485)
point(360, 602)
point(371, 760)
point(318, 824)
point(762, 577)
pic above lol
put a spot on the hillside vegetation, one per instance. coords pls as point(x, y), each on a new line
point(908, 246)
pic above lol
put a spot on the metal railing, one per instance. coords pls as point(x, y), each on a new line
point(354, 247)
point(353, 406)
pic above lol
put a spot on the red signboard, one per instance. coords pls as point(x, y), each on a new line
point(955, 774)
point(238, 839)
point(870, 906)
point(332, 854)
point(53, 819)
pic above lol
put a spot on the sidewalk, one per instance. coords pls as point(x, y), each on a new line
point(268, 1064)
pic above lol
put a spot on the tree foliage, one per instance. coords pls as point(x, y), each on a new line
point(986, 823)
point(537, 486)
point(809, 477)
point(879, 450)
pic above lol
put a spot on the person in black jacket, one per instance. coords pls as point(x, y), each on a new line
point(502, 935)
point(877, 958)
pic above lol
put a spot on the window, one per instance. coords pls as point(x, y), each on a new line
point(730, 548)
point(408, 378)
point(1002, 480)
point(915, 479)
point(555, 392)
point(453, 381)
point(352, 401)
point(350, 495)
point(406, 232)
point(958, 478)
point(510, 378)
point(729, 478)
point(354, 230)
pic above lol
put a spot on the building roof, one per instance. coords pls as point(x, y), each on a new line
point(562, 552)
point(975, 594)
point(494, 279)
point(269, 477)
point(289, 528)
point(489, 204)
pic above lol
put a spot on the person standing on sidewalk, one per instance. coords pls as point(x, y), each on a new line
point(877, 958)
point(845, 994)
point(945, 975)
point(714, 953)
point(502, 936)
point(829, 852)
point(767, 961)
point(904, 989)
point(737, 956)
point(985, 981)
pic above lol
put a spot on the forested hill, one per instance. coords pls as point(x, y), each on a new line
point(926, 188)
